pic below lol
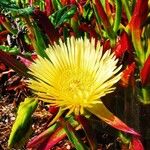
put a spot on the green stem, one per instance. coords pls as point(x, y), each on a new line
point(127, 10)
point(117, 15)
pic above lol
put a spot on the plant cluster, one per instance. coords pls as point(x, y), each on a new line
point(72, 54)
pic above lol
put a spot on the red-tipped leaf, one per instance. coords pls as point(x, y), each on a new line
point(123, 45)
point(10, 61)
point(103, 113)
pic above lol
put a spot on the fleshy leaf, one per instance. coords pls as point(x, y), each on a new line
point(57, 136)
point(127, 75)
point(70, 131)
point(21, 129)
point(123, 45)
point(57, 4)
point(51, 136)
point(103, 113)
point(136, 144)
point(139, 14)
point(145, 73)
point(12, 50)
point(138, 17)
point(48, 29)
point(14, 64)
point(36, 141)
point(63, 15)
point(48, 7)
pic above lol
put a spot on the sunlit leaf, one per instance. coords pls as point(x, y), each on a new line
point(21, 129)
point(103, 113)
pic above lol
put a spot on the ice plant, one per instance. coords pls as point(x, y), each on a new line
point(75, 77)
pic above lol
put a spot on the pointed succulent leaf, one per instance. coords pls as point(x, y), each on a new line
point(123, 45)
point(21, 11)
point(7, 4)
point(138, 17)
point(127, 75)
point(36, 141)
point(55, 17)
point(56, 137)
point(48, 7)
point(10, 61)
point(48, 29)
point(62, 15)
point(139, 14)
point(40, 43)
point(21, 128)
point(47, 139)
point(87, 11)
point(57, 4)
point(103, 113)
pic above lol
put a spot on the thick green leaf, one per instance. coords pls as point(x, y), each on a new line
point(14, 10)
point(62, 15)
point(39, 43)
point(57, 4)
point(7, 4)
point(21, 129)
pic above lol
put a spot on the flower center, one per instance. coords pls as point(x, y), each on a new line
point(75, 86)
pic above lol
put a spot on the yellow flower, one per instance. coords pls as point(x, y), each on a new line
point(75, 76)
